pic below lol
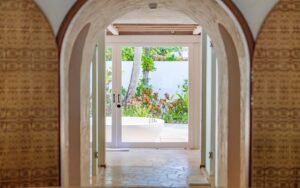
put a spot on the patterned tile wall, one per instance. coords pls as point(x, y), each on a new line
point(29, 147)
point(276, 100)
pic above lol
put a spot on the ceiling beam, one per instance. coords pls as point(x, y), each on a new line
point(113, 30)
point(197, 30)
point(155, 27)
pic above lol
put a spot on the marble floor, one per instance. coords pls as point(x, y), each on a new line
point(149, 168)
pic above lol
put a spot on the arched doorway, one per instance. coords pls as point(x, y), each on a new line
point(229, 39)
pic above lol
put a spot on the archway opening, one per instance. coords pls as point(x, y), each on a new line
point(155, 127)
point(195, 10)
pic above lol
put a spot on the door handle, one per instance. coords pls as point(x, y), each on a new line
point(114, 98)
point(118, 98)
point(119, 101)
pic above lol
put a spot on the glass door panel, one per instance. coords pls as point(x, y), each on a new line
point(155, 94)
point(108, 94)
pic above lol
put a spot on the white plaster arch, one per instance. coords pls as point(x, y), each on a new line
point(208, 13)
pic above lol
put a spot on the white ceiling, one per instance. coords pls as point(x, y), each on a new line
point(157, 16)
point(254, 11)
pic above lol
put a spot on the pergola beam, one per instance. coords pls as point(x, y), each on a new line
point(113, 30)
point(197, 30)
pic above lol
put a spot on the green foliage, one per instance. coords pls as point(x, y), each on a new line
point(108, 54)
point(146, 103)
point(179, 113)
point(141, 87)
point(167, 54)
point(174, 117)
point(177, 110)
point(171, 57)
point(183, 102)
point(136, 111)
point(128, 54)
point(161, 51)
point(148, 64)
point(185, 87)
point(123, 92)
point(157, 54)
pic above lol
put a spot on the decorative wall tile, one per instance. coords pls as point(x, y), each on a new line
point(29, 147)
point(276, 99)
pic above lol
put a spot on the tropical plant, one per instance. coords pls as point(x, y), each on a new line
point(135, 72)
point(108, 54)
point(157, 54)
point(148, 64)
point(171, 57)
point(123, 92)
point(173, 109)
point(137, 111)
point(143, 102)
point(128, 54)
point(165, 54)
point(141, 87)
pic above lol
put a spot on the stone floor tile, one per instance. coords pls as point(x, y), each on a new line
point(149, 168)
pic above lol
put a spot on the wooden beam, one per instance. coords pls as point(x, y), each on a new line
point(173, 28)
point(197, 30)
point(157, 33)
point(113, 30)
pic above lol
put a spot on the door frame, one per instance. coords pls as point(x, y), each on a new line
point(193, 42)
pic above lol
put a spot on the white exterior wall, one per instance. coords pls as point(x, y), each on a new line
point(165, 79)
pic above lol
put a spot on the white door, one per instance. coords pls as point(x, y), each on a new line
point(211, 113)
point(143, 120)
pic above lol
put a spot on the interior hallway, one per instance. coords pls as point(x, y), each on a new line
point(149, 168)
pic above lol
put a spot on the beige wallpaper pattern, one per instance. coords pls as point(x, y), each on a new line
point(29, 147)
point(276, 100)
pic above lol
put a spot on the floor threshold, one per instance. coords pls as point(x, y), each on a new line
point(198, 181)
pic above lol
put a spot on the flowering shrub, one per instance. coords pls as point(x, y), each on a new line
point(173, 109)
